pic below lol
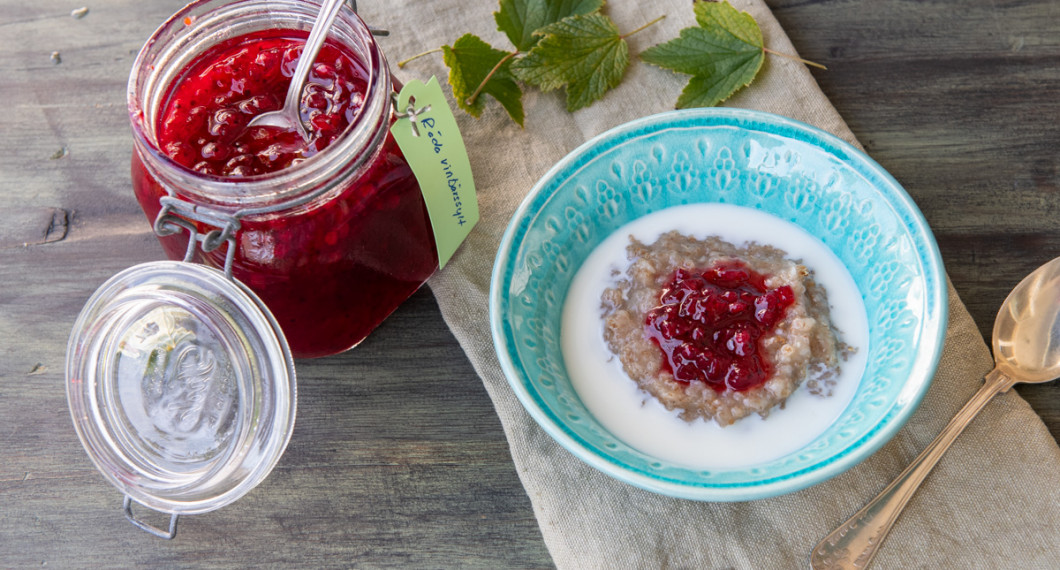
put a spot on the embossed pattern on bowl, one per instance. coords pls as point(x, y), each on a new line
point(740, 157)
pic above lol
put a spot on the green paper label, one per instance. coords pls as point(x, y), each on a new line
point(427, 133)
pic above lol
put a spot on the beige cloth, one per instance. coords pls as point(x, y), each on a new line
point(994, 501)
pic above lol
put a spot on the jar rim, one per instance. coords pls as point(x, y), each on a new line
point(202, 24)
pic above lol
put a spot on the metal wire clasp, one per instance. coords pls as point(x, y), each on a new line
point(167, 534)
point(375, 31)
point(175, 215)
point(411, 112)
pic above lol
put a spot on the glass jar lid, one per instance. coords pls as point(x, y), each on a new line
point(181, 386)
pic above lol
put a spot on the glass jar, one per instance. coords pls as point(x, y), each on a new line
point(332, 244)
point(181, 388)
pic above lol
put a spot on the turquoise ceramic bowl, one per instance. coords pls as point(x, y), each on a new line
point(740, 157)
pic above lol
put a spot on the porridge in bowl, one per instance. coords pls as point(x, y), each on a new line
point(771, 373)
point(719, 331)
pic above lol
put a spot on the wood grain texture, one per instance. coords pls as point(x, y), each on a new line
point(398, 459)
point(960, 102)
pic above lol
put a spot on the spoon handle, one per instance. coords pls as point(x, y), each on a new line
point(855, 542)
point(329, 9)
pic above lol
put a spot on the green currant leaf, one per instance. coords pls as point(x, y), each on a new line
point(470, 61)
point(583, 53)
point(723, 55)
point(519, 19)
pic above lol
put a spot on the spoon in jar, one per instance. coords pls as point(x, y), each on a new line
point(289, 117)
point(1026, 343)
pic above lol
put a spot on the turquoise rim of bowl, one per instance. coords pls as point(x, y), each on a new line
point(759, 483)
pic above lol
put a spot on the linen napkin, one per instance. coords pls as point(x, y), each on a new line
point(993, 500)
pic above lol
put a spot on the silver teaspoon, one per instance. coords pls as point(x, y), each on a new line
point(289, 116)
point(1026, 343)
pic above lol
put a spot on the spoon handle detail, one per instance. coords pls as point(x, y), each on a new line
point(854, 544)
point(329, 9)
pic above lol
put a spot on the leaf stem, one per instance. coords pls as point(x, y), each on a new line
point(402, 63)
point(645, 26)
point(795, 58)
point(481, 86)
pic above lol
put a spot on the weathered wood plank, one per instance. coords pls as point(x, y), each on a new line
point(23, 227)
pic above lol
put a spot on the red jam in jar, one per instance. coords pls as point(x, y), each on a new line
point(333, 234)
point(204, 121)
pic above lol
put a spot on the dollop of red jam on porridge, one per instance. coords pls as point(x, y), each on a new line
point(719, 331)
point(709, 323)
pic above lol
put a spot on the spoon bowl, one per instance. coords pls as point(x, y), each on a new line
point(1026, 341)
point(1027, 329)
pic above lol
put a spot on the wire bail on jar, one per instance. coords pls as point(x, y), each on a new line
point(168, 222)
point(166, 534)
point(375, 31)
point(411, 112)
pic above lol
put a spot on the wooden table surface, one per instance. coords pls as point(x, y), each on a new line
point(397, 458)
